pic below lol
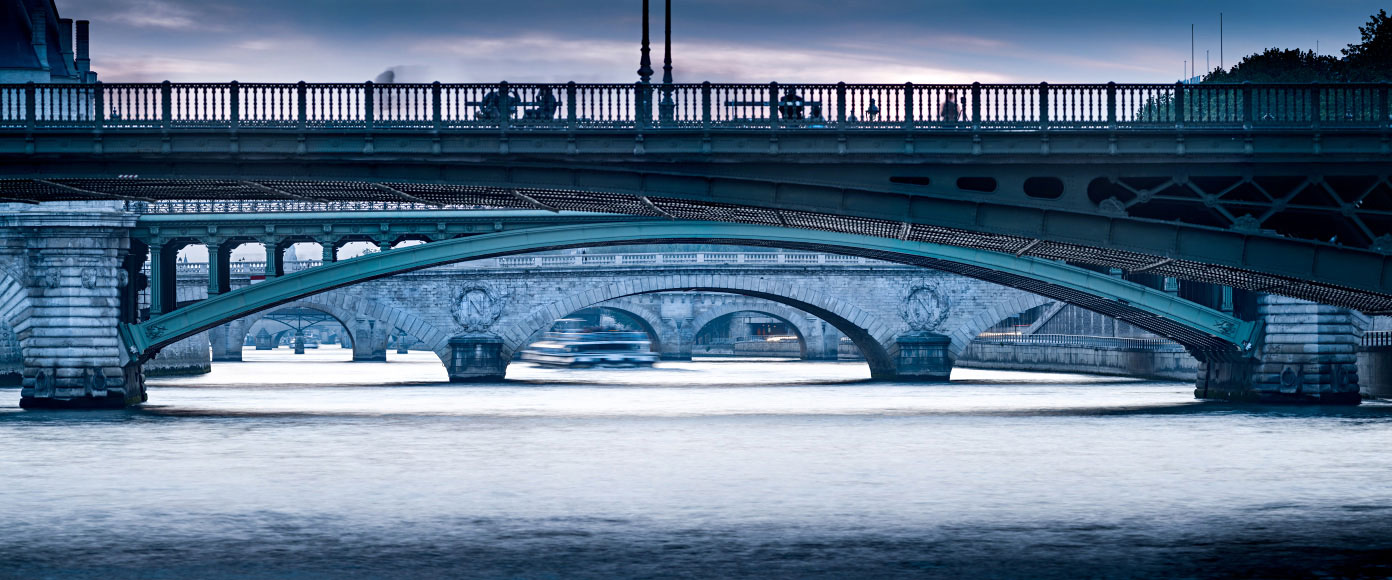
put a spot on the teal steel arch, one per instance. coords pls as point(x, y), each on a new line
point(1202, 329)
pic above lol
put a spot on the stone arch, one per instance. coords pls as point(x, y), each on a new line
point(651, 323)
point(345, 308)
point(413, 324)
point(14, 299)
point(964, 332)
point(14, 320)
point(344, 317)
point(794, 317)
point(874, 337)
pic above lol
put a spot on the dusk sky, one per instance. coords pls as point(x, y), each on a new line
point(895, 41)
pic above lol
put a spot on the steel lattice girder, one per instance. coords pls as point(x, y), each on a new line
point(1201, 329)
point(1208, 214)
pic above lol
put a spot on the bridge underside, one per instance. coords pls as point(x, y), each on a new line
point(1199, 328)
point(1168, 226)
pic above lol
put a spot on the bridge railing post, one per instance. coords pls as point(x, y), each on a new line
point(1316, 104)
point(571, 118)
point(1384, 106)
point(437, 117)
point(166, 105)
point(773, 106)
point(976, 106)
point(98, 105)
point(234, 105)
point(1112, 106)
point(1179, 106)
point(1247, 105)
point(369, 106)
point(642, 113)
point(505, 105)
point(841, 104)
point(1043, 106)
point(302, 108)
point(706, 105)
point(908, 105)
point(30, 106)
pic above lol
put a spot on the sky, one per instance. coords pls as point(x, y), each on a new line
point(809, 41)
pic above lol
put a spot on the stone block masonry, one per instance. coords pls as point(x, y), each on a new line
point(1308, 354)
point(77, 282)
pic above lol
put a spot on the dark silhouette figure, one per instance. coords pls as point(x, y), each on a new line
point(495, 106)
point(950, 111)
point(790, 106)
point(546, 105)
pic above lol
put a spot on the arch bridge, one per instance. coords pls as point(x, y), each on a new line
point(1280, 189)
point(1202, 329)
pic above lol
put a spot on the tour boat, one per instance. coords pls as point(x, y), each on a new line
point(617, 348)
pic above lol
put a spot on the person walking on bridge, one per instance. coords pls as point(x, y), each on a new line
point(950, 112)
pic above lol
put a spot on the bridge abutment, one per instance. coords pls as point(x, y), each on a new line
point(80, 289)
point(1308, 354)
point(476, 359)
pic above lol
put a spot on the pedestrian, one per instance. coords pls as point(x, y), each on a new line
point(950, 112)
point(790, 106)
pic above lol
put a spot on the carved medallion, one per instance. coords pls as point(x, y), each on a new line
point(924, 308)
point(476, 308)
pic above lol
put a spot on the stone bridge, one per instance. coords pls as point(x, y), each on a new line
point(909, 323)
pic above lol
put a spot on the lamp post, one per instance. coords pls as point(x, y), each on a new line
point(645, 70)
point(667, 108)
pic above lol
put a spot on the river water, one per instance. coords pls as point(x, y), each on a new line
point(311, 467)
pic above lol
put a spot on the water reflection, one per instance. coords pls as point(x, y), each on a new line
point(296, 467)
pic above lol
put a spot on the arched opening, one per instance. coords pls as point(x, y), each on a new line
point(617, 336)
point(403, 346)
point(354, 246)
point(299, 253)
point(11, 359)
point(302, 330)
point(409, 240)
point(878, 346)
point(750, 334)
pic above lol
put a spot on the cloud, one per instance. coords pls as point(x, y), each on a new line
point(538, 57)
point(156, 14)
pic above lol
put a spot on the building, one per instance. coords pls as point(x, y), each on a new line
point(37, 45)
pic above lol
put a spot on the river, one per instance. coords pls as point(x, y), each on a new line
point(310, 467)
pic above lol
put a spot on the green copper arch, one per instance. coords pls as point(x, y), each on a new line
point(1197, 327)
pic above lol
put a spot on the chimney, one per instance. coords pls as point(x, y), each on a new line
point(39, 23)
point(84, 64)
point(65, 43)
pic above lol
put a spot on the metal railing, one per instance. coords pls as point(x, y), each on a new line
point(577, 107)
point(257, 268)
point(1377, 338)
point(183, 207)
point(1069, 340)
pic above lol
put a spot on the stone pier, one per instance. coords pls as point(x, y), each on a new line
point(476, 358)
point(1308, 354)
point(73, 260)
point(924, 356)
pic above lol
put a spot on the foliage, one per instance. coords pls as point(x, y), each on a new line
point(1368, 61)
point(1371, 59)
point(1281, 66)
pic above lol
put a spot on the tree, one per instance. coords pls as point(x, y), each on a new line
point(1282, 66)
point(1371, 59)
